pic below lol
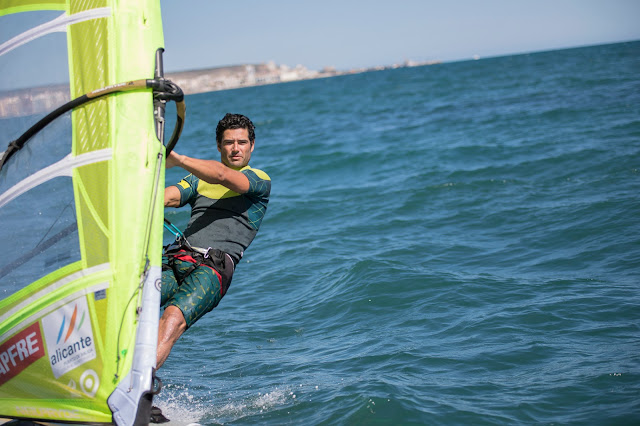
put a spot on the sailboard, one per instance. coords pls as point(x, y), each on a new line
point(81, 213)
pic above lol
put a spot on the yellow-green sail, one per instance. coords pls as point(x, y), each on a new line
point(78, 318)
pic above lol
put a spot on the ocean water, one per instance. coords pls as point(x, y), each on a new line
point(447, 244)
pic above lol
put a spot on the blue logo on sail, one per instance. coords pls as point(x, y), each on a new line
point(71, 325)
point(69, 337)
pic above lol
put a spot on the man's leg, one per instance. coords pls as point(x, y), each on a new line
point(199, 293)
point(172, 325)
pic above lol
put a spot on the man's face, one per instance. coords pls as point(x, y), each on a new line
point(235, 148)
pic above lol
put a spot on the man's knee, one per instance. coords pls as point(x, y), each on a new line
point(172, 324)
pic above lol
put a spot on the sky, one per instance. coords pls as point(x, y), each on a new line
point(344, 34)
point(349, 34)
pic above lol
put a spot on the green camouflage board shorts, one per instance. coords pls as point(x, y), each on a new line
point(199, 292)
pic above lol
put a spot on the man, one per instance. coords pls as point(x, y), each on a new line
point(228, 201)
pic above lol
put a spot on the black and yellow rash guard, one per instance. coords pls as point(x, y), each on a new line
point(221, 218)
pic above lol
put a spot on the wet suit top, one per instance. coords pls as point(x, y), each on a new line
point(221, 218)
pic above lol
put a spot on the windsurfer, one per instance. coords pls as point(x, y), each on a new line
point(228, 201)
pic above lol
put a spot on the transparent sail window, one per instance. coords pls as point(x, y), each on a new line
point(38, 228)
point(40, 234)
point(39, 63)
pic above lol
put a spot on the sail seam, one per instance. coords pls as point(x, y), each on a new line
point(60, 168)
point(58, 24)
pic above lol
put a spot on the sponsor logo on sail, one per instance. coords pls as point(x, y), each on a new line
point(20, 351)
point(89, 383)
point(69, 337)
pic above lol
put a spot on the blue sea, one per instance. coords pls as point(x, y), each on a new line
point(445, 245)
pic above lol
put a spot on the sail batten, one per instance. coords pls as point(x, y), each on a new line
point(82, 274)
point(17, 6)
point(63, 167)
point(58, 24)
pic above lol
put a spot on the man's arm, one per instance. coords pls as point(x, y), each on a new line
point(210, 171)
point(171, 196)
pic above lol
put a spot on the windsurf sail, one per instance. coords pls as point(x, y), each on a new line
point(81, 208)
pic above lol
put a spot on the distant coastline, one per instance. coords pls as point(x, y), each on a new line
point(39, 99)
point(233, 77)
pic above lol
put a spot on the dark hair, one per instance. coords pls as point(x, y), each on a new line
point(235, 121)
